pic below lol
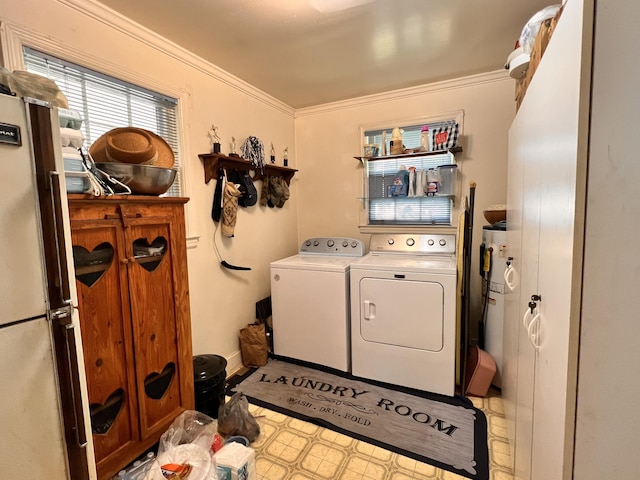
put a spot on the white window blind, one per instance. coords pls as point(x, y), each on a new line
point(106, 102)
point(381, 172)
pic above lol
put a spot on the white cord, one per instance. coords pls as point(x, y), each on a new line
point(215, 246)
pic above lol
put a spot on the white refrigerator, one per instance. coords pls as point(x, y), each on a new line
point(43, 407)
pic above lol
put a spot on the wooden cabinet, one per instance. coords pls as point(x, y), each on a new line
point(133, 296)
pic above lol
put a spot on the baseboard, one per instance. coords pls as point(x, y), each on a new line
point(234, 364)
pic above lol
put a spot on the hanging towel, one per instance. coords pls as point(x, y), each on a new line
point(230, 208)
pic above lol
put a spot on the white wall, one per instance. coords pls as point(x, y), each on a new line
point(83, 32)
point(328, 138)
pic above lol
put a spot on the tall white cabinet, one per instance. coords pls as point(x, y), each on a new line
point(574, 220)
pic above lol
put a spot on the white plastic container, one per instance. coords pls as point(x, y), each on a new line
point(77, 182)
point(237, 460)
point(433, 182)
point(448, 176)
point(72, 162)
point(396, 147)
point(69, 119)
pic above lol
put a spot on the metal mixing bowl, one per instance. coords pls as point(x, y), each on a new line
point(141, 179)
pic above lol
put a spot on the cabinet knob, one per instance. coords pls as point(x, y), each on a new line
point(124, 261)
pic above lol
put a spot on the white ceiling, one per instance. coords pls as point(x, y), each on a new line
point(303, 56)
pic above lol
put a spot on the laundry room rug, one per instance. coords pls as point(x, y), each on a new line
point(446, 432)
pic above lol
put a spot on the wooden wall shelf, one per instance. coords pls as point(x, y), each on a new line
point(213, 161)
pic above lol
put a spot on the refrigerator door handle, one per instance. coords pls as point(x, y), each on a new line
point(54, 182)
point(63, 314)
point(72, 359)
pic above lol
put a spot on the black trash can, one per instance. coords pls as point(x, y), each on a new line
point(209, 373)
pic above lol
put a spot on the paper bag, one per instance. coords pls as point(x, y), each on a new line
point(253, 345)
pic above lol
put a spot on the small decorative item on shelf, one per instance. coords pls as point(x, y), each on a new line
point(370, 150)
point(424, 138)
point(215, 139)
point(285, 155)
point(233, 153)
point(396, 147)
point(273, 154)
point(445, 135)
point(253, 150)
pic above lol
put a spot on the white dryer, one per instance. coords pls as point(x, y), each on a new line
point(310, 302)
point(403, 312)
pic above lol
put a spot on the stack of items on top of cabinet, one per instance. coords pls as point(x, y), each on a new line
point(72, 139)
point(545, 31)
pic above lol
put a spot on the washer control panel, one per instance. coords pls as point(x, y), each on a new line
point(333, 246)
point(415, 244)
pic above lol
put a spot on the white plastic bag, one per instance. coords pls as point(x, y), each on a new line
point(187, 445)
point(530, 30)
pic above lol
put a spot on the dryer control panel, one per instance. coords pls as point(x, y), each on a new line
point(333, 246)
point(419, 244)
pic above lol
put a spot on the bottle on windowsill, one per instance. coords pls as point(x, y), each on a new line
point(424, 138)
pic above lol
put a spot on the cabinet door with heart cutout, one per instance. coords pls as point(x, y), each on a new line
point(153, 312)
point(105, 322)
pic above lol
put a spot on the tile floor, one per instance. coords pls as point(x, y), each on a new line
point(290, 449)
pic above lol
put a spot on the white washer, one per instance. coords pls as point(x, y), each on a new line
point(403, 312)
point(310, 302)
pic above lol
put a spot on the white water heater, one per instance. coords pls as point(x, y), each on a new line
point(494, 240)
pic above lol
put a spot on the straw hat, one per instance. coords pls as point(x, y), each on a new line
point(132, 145)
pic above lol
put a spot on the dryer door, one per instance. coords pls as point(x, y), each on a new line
point(405, 313)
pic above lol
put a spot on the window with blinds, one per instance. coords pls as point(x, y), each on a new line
point(383, 208)
point(106, 102)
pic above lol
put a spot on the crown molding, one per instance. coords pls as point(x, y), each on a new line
point(404, 93)
point(126, 26)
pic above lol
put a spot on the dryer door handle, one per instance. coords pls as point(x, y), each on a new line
point(369, 310)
